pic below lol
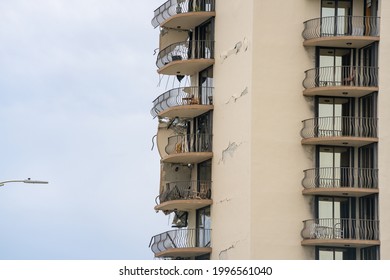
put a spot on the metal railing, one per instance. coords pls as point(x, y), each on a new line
point(182, 96)
point(185, 190)
point(331, 76)
point(180, 238)
point(339, 228)
point(341, 26)
point(339, 127)
point(337, 177)
point(174, 7)
point(191, 49)
point(189, 143)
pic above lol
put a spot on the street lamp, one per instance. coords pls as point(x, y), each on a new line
point(27, 181)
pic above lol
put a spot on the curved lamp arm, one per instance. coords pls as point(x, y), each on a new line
point(27, 181)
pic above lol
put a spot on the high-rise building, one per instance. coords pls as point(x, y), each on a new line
point(275, 143)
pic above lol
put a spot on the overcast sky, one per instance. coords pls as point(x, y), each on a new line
point(77, 81)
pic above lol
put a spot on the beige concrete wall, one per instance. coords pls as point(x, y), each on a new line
point(171, 36)
point(384, 131)
point(231, 130)
point(162, 139)
point(258, 159)
point(278, 107)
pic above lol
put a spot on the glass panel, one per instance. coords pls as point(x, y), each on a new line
point(325, 208)
point(325, 254)
point(343, 21)
point(328, 12)
point(334, 66)
point(203, 224)
point(335, 17)
point(205, 86)
point(333, 166)
point(336, 254)
point(331, 113)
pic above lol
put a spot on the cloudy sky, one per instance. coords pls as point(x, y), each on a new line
point(77, 80)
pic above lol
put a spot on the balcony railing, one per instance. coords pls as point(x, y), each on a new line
point(337, 228)
point(190, 143)
point(197, 49)
point(180, 238)
point(185, 190)
point(174, 7)
point(336, 76)
point(341, 26)
point(182, 96)
point(339, 127)
point(340, 177)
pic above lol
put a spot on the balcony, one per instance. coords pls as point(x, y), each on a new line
point(339, 131)
point(184, 102)
point(185, 58)
point(183, 14)
point(184, 196)
point(190, 148)
point(352, 81)
point(181, 243)
point(341, 31)
point(338, 232)
point(340, 181)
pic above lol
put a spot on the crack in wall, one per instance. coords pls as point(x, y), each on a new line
point(234, 98)
point(230, 150)
point(241, 45)
point(223, 254)
point(224, 200)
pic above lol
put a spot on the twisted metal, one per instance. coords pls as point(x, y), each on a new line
point(174, 7)
point(339, 127)
point(182, 96)
point(337, 177)
point(341, 26)
point(189, 143)
point(196, 49)
point(185, 190)
point(331, 76)
point(340, 228)
point(180, 238)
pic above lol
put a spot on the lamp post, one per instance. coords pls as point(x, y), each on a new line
point(27, 181)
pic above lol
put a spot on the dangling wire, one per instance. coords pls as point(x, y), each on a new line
point(153, 142)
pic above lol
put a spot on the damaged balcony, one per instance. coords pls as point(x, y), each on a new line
point(183, 102)
point(185, 58)
point(339, 131)
point(183, 14)
point(184, 196)
point(181, 243)
point(340, 232)
point(340, 181)
point(189, 148)
point(351, 81)
point(341, 31)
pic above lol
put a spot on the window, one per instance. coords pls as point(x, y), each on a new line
point(325, 253)
point(336, 217)
point(334, 116)
point(335, 166)
point(203, 226)
point(336, 18)
point(202, 131)
point(335, 66)
point(204, 37)
point(370, 253)
point(206, 86)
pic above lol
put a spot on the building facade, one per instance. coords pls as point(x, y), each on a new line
point(274, 144)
